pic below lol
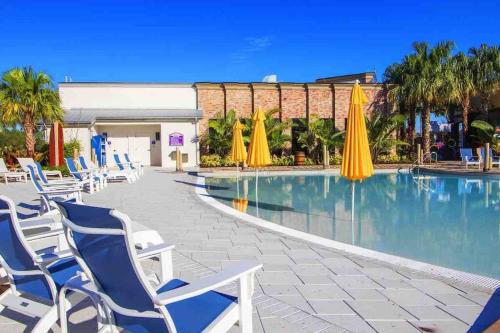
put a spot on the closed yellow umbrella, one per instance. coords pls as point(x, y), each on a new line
point(258, 151)
point(238, 150)
point(356, 160)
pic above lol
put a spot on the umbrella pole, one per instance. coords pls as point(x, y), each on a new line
point(237, 182)
point(352, 211)
point(257, 190)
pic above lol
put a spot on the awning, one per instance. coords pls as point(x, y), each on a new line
point(89, 116)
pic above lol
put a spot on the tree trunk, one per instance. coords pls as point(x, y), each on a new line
point(29, 134)
point(465, 116)
point(426, 129)
point(411, 126)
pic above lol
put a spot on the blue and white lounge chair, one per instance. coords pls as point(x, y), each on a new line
point(106, 174)
point(85, 179)
point(48, 194)
point(35, 277)
point(468, 158)
point(96, 172)
point(134, 165)
point(25, 161)
point(52, 183)
point(126, 167)
point(495, 160)
point(102, 243)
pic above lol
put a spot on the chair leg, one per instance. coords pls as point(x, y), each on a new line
point(45, 323)
point(245, 303)
point(63, 320)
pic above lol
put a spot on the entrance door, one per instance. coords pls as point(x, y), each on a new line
point(140, 147)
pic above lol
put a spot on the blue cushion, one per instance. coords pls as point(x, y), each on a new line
point(63, 270)
point(190, 316)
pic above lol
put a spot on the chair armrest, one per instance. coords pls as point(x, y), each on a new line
point(47, 258)
point(39, 223)
point(61, 191)
point(154, 250)
point(53, 173)
point(232, 273)
point(42, 235)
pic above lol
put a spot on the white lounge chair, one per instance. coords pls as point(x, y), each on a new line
point(495, 160)
point(6, 173)
point(25, 161)
point(133, 304)
point(126, 167)
point(135, 165)
point(468, 158)
point(85, 179)
point(105, 174)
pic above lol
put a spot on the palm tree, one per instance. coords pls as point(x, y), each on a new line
point(381, 130)
point(26, 98)
point(219, 134)
point(463, 86)
point(485, 63)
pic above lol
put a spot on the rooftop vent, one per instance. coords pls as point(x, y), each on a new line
point(272, 78)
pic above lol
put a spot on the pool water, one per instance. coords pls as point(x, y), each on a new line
point(450, 221)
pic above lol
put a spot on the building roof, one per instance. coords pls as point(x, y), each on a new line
point(90, 116)
point(365, 77)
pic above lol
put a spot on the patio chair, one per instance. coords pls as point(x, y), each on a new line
point(48, 194)
point(126, 167)
point(134, 165)
point(6, 173)
point(41, 174)
point(25, 161)
point(495, 160)
point(468, 158)
point(106, 174)
point(102, 243)
point(35, 277)
point(85, 179)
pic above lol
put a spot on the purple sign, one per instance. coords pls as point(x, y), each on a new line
point(176, 139)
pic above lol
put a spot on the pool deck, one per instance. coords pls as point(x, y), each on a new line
point(303, 287)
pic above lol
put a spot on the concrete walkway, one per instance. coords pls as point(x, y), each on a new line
point(302, 288)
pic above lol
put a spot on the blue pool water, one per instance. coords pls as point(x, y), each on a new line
point(450, 221)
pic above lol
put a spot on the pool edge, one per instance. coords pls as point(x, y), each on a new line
point(433, 270)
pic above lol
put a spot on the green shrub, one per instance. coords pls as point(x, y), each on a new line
point(282, 160)
point(63, 168)
point(226, 162)
point(393, 159)
point(211, 161)
point(336, 159)
point(309, 161)
point(70, 146)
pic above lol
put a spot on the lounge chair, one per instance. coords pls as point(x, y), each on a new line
point(25, 161)
point(468, 158)
point(106, 174)
point(6, 173)
point(126, 167)
point(50, 193)
point(85, 179)
point(103, 245)
point(41, 174)
point(495, 160)
point(35, 277)
point(134, 165)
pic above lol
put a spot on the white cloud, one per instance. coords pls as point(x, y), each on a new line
point(252, 46)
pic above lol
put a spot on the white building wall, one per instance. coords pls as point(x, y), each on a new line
point(83, 135)
point(189, 130)
point(127, 96)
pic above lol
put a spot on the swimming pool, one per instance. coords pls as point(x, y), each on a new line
point(450, 221)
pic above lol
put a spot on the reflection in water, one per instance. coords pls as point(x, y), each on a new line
point(448, 221)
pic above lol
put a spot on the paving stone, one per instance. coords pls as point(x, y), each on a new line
point(381, 273)
point(353, 323)
point(366, 294)
point(278, 259)
point(331, 292)
point(315, 270)
point(453, 299)
point(277, 290)
point(356, 282)
point(277, 325)
point(276, 268)
point(342, 266)
point(278, 278)
point(445, 326)
point(293, 244)
point(478, 298)
point(428, 313)
point(313, 279)
point(297, 301)
point(393, 327)
point(326, 253)
point(394, 284)
point(433, 286)
point(467, 313)
point(409, 297)
point(331, 307)
point(379, 310)
point(244, 250)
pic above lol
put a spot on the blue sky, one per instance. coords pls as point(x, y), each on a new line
point(188, 41)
